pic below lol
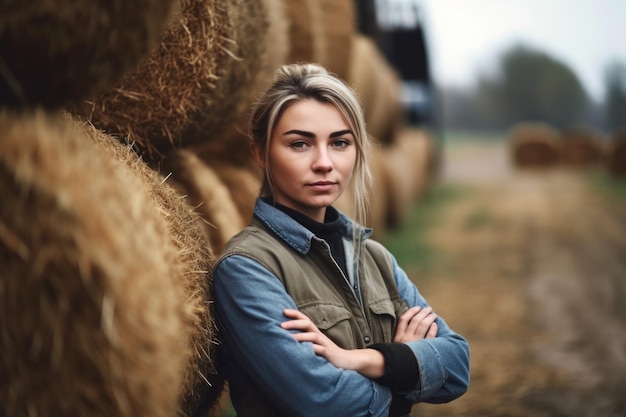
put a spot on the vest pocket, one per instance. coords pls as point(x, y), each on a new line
point(333, 320)
point(384, 318)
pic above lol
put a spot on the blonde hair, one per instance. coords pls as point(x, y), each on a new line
point(296, 82)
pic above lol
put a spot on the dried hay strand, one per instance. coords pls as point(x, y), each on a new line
point(305, 29)
point(409, 161)
point(534, 145)
point(582, 147)
point(233, 145)
point(339, 25)
point(72, 49)
point(194, 263)
point(378, 86)
point(196, 79)
point(207, 194)
point(93, 318)
point(616, 154)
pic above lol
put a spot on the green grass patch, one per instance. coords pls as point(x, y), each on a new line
point(613, 188)
point(455, 137)
point(410, 243)
point(478, 218)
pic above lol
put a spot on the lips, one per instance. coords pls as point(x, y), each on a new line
point(322, 185)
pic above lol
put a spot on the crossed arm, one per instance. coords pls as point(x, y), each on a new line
point(415, 324)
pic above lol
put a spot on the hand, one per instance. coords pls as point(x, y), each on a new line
point(416, 323)
point(368, 362)
point(309, 332)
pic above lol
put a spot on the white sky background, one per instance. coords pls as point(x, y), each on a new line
point(466, 37)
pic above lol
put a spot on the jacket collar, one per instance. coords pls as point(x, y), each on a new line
point(292, 232)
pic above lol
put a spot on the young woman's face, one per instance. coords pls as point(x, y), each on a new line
point(312, 155)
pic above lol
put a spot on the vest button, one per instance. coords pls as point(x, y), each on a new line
point(366, 339)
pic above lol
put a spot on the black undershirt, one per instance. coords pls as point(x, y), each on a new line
point(329, 231)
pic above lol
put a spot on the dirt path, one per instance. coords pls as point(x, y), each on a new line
point(535, 277)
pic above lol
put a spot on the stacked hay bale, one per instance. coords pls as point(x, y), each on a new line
point(55, 52)
point(402, 156)
point(107, 252)
point(378, 86)
point(582, 147)
point(616, 154)
point(96, 314)
point(410, 163)
point(193, 82)
point(534, 145)
point(103, 291)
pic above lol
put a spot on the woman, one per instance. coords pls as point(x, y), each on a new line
point(315, 318)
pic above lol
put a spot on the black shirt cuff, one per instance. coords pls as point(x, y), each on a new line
point(401, 369)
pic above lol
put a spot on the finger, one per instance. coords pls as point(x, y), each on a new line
point(418, 318)
point(422, 327)
point(405, 318)
point(304, 325)
point(296, 314)
point(432, 331)
point(306, 337)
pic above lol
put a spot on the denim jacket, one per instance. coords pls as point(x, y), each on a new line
point(271, 374)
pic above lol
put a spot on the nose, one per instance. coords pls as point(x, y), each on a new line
point(322, 161)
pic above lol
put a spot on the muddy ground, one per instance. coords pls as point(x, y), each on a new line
point(532, 270)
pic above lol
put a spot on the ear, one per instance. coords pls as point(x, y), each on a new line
point(258, 154)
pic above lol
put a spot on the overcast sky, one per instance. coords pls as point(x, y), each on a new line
point(466, 36)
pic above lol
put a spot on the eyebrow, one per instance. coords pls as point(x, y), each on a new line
point(310, 135)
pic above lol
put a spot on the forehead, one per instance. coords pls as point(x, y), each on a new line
point(312, 113)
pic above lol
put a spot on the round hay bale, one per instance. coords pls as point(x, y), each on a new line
point(93, 319)
point(232, 146)
point(339, 26)
point(244, 185)
point(409, 162)
point(616, 154)
point(54, 52)
point(535, 145)
point(208, 195)
point(196, 80)
point(201, 386)
point(378, 86)
point(305, 28)
point(582, 147)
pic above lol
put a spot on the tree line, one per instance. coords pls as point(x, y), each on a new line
point(531, 85)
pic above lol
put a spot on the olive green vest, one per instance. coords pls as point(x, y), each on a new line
point(320, 291)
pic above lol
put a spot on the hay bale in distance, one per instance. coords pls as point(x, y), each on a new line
point(378, 86)
point(534, 145)
point(338, 28)
point(305, 29)
point(57, 51)
point(409, 161)
point(582, 147)
point(616, 154)
point(93, 319)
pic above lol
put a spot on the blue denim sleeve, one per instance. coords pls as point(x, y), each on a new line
point(443, 361)
point(249, 304)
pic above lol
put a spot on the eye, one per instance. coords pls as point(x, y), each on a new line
point(298, 144)
point(341, 143)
